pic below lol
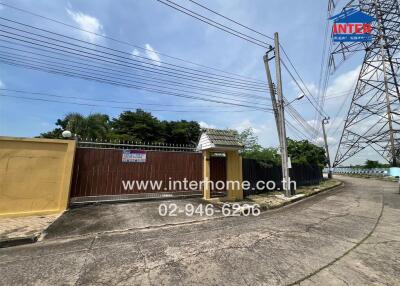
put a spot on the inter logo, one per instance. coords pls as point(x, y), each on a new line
point(352, 25)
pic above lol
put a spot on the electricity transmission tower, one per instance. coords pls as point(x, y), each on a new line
point(373, 120)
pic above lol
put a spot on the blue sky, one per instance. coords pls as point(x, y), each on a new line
point(150, 24)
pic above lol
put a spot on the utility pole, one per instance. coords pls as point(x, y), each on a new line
point(326, 121)
point(281, 119)
point(278, 106)
point(272, 89)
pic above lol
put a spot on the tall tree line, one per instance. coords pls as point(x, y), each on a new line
point(136, 125)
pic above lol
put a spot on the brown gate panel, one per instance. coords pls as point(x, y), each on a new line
point(217, 173)
point(100, 172)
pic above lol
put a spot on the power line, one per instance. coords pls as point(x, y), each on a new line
point(215, 24)
point(113, 60)
point(294, 128)
point(335, 96)
point(325, 65)
point(190, 11)
point(301, 79)
point(301, 89)
point(220, 25)
point(85, 68)
point(205, 75)
point(117, 107)
point(69, 50)
point(296, 116)
point(86, 65)
point(231, 20)
point(129, 75)
point(116, 83)
point(124, 42)
point(100, 100)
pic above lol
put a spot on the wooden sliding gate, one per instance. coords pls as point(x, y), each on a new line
point(121, 171)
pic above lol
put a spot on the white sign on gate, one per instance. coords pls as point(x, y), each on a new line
point(133, 156)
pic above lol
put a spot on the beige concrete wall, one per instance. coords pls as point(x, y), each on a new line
point(206, 175)
point(35, 175)
point(234, 174)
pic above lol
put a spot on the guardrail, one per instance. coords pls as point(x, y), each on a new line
point(383, 172)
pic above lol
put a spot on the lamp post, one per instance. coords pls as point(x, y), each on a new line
point(326, 121)
point(288, 160)
point(297, 98)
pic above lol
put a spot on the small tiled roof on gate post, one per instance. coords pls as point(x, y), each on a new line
point(218, 139)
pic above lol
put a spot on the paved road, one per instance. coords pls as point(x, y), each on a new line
point(343, 237)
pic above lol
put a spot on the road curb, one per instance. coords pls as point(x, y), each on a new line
point(291, 202)
point(31, 237)
point(4, 243)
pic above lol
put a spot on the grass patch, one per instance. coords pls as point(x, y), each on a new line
point(269, 200)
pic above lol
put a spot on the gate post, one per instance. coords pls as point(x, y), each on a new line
point(234, 175)
point(206, 175)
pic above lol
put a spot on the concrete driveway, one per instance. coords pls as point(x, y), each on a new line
point(349, 236)
point(121, 217)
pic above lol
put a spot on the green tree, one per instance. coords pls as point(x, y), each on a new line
point(268, 156)
point(128, 126)
point(253, 150)
point(94, 126)
point(137, 126)
point(181, 132)
point(249, 140)
point(370, 164)
point(305, 153)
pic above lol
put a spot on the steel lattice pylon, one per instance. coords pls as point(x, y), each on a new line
point(373, 120)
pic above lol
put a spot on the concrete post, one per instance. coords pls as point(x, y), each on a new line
point(234, 176)
point(206, 175)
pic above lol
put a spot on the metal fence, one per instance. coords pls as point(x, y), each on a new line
point(254, 171)
point(102, 144)
point(381, 172)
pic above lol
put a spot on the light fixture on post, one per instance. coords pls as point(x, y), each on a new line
point(66, 134)
point(289, 164)
point(301, 96)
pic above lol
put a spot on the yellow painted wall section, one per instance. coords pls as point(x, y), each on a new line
point(206, 175)
point(35, 175)
point(234, 174)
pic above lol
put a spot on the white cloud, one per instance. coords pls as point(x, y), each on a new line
point(344, 84)
point(1, 84)
point(245, 124)
point(311, 87)
point(206, 125)
point(321, 142)
point(152, 54)
point(135, 52)
point(87, 23)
